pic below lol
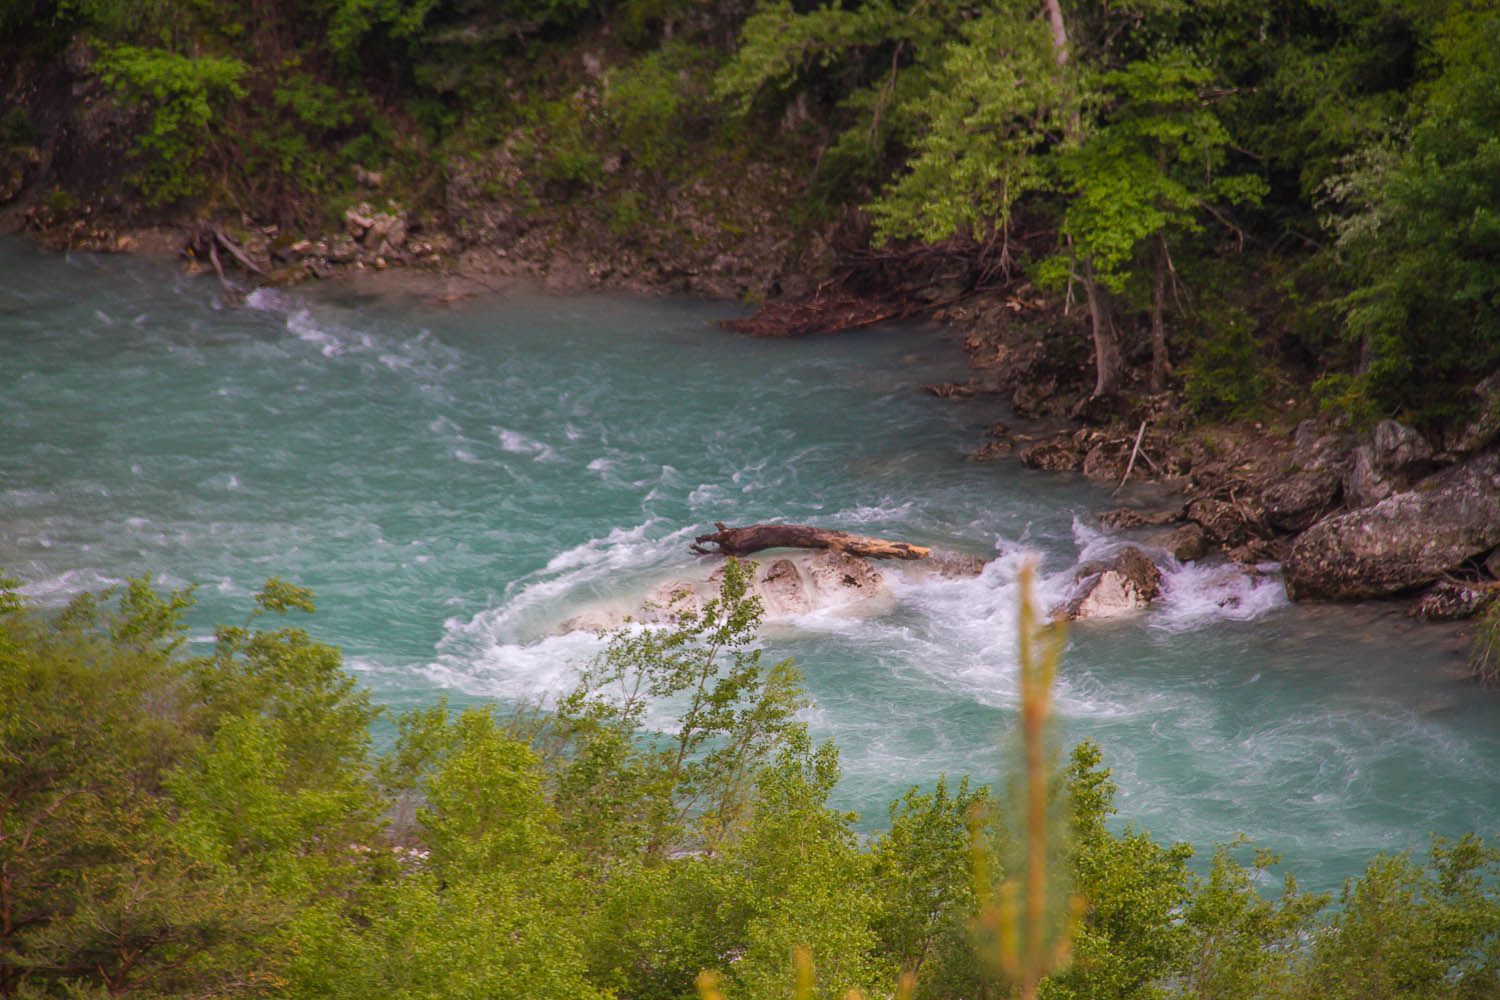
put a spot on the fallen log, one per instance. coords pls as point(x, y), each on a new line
point(757, 537)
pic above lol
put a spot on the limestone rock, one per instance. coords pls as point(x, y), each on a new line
point(782, 591)
point(1482, 431)
point(1189, 543)
point(995, 448)
point(1113, 588)
point(1404, 541)
point(1121, 518)
point(944, 562)
point(1400, 450)
point(832, 572)
point(1451, 601)
point(1057, 454)
point(668, 600)
point(1227, 524)
point(1296, 501)
point(1364, 483)
point(1107, 460)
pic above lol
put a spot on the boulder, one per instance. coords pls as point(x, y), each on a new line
point(1227, 524)
point(668, 600)
point(782, 591)
point(1257, 551)
point(1400, 450)
point(1114, 587)
point(1364, 482)
point(945, 562)
point(842, 577)
point(1404, 541)
point(995, 448)
point(1122, 518)
point(1188, 543)
point(1057, 454)
point(1484, 429)
point(1295, 502)
point(1106, 461)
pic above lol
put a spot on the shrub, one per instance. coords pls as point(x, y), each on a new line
point(183, 95)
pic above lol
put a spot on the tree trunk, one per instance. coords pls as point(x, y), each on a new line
point(1158, 323)
point(756, 537)
point(1109, 362)
point(1059, 31)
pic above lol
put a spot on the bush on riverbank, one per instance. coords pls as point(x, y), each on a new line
point(216, 825)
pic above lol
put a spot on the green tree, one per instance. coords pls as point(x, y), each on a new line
point(621, 786)
point(1150, 164)
point(1419, 236)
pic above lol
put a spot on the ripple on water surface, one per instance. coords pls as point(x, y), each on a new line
point(457, 481)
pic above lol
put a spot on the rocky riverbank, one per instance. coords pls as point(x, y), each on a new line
point(1383, 513)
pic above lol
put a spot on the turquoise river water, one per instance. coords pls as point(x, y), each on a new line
point(456, 480)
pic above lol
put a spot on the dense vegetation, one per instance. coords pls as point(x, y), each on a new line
point(215, 824)
point(1240, 193)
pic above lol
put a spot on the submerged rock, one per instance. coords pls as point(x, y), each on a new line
point(1115, 587)
point(1404, 541)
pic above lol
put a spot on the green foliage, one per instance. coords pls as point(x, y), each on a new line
point(1242, 944)
point(183, 95)
point(996, 100)
point(17, 129)
point(688, 790)
point(1413, 931)
point(191, 826)
point(1130, 939)
point(153, 839)
point(800, 880)
point(1225, 373)
point(349, 22)
point(924, 876)
point(1484, 653)
point(1150, 164)
point(649, 104)
point(1419, 238)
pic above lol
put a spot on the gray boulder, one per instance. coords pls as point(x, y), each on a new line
point(1400, 450)
point(1403, 541)
point(1364, 482)
point(1482, 431)
point(1296, 501)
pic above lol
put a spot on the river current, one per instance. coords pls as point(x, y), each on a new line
point(457, 480)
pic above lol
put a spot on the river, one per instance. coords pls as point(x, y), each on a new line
point(456, 480)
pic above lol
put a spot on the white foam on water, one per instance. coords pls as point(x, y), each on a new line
point(517, 443)
point(1198, 594)
point(1194, 594)
point(498, 648)
point(68, 584)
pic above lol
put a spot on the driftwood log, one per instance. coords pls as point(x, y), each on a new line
point(756, 537)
